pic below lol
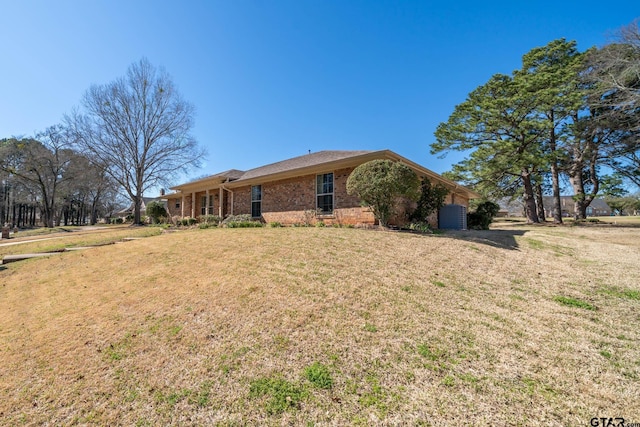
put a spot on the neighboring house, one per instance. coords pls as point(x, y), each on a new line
point(301, 190)
point(510, 208)
point(143, 207)
point(597, 207)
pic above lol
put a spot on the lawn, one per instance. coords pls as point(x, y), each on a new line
point(324, 326)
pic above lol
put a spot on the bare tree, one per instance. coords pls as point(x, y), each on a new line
point(85, 195)
point(138, 128)
point(614, 71)
point(42, 164)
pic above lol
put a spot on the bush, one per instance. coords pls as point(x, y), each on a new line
point(240, 221)
point(422, 227)
point(117, 220)
point(188, 221)
point(483, 216)
point(214, 220)
point(244, 224)
point(156, 211)
point(431, 199)
point(379, 183)
point(275, 224)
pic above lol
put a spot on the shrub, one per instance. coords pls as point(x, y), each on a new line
point(431, 199)
point(117, 220)
point(422, 227)
point(240, 221)
point(275, 224)
point(205, 225)
point(156, 210)
point(214, 220)
point(188, 221)
point(379, 183)
point(320, 224)
point(236, 218)
point(483, 216)
point(244, 224)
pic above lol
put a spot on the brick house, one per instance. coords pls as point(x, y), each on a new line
point(301, 190)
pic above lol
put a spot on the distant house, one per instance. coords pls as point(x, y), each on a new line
point(303, 189)
point(597, 207)
point(510, 208)
point(143, 207)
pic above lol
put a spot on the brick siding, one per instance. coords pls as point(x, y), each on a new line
point(293, 201)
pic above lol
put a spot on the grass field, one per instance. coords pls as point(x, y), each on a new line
point(321, 326)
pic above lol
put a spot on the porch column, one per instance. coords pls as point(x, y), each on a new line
point(182, 206)
point(193, 204)
point(220, 203)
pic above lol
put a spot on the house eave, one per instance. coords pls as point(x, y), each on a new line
point(216, 182)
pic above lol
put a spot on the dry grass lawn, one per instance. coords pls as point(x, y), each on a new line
point(323, 326)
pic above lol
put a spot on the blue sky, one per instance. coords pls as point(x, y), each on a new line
point(273, 79)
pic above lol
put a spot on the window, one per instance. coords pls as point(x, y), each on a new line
point(203, 206)
point(256, 201)
point(177, 205)
point(324, 193)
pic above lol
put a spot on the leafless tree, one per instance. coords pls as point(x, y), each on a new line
point(614, 70)
point(87, 194)
point(42, 164)
point(138, 128)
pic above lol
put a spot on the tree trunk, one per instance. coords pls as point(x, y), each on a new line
point(529, 199)
point(555, 180)
point(540, 203)
point(136, 209)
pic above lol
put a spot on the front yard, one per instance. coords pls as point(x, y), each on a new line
point(322, 326)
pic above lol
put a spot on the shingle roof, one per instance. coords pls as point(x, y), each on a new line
point(599, 204)
point(307, 160)
point(306, 164)
point(231, 174)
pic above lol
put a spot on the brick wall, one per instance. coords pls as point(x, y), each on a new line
point(173, 211)
point(406, 207)
point(293, 201)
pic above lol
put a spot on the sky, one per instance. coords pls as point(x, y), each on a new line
point(273, 79)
